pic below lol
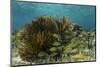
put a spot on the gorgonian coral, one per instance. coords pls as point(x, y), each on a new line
point(43, 37)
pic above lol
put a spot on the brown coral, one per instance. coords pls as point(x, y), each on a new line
point(38, 36)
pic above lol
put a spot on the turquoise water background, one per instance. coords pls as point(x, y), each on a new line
point(24, 12)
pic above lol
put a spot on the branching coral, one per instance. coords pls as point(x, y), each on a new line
point(55, 41)
point(50, 40)
point(38, 37)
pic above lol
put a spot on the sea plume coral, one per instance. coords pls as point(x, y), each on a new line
point(40, 36)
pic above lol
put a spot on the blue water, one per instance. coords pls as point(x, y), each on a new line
point(23, 13)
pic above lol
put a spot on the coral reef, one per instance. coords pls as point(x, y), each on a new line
point(49, 40)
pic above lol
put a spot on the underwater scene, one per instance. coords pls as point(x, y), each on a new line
point(52, 33)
